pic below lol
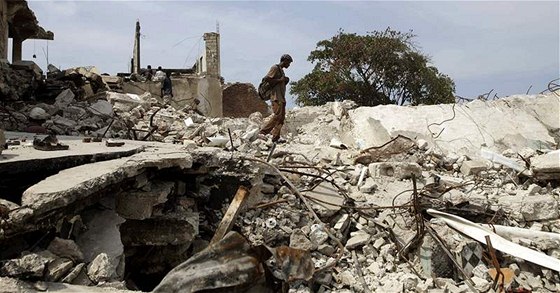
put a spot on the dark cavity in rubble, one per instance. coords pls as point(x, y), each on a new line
point(198, 196)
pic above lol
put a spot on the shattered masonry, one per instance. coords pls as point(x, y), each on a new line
point(105, 187)
point(366, 199)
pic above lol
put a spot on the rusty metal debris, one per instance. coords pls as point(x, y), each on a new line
point(397, 145)
point(227, 263)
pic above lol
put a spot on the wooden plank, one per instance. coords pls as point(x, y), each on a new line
point(229, 218)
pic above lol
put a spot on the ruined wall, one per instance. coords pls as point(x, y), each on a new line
point(211, 56)
point(3, 29)
point(242, 99)
point(185, 90)
point(210, 91)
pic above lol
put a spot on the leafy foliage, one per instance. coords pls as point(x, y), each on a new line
point(378, 68)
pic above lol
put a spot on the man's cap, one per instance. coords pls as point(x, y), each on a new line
point(286, 57)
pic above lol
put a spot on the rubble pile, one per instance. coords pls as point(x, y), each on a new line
point(19, 81)
point(357, 200)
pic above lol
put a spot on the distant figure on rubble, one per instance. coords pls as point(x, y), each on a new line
point(160, 75)
point(149, 73)
point(278, 81)
point(167, 89)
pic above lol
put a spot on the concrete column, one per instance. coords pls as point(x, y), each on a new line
point(212, 54)
point(16, 49)
point(136, 52)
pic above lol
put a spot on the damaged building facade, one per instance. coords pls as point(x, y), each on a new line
point(202, 82)
point(19, 23)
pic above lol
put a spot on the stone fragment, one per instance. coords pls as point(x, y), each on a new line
point(66, 248)
point(65, 98)
point(533, 189)
point(57, 269)
point(326, 192)
point(422, 144)
point(300, 241)
point(30, 265)
point(101, 269)
point(326, 249)
point(139, 205)
point(102, 234)
point(531, 208)
point(318, 235)
point(547, 166)
point(473, 167)
point(399, 170)
point(64, 122)
point(358, 240)
point(102, 108)
point(378, 243)
point(38, 114)
point(369, 186)
point(73, 274)
point(342, 222)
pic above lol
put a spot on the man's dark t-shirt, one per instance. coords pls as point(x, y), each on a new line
point(166, 87)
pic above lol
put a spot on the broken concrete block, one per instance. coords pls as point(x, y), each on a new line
point(300, 241)
point(57, 269)
point(399, 170)
point(546, 167)
point(64, 122)
point(101, 269)
point(78, 183)
point(102, 108)
point(88, 91)
point(139, 205)
point(473, 167)
point(160, 231)
point(422, 144)
point(30, 265)
point(64, 99)
point(73, 274)
point(530, 208)
point(369, 186)
point(342, 222)
point(38, 113)
point(318, 235)
point(326, 192)
point(533, 189)
point(102, 234)
point(360, 239)
point(66, 248)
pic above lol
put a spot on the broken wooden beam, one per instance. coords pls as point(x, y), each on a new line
point(229, 218)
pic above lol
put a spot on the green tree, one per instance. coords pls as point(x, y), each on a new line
point(382, 67)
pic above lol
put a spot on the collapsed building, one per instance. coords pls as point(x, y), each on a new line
point(360, 199)
point(125, 193)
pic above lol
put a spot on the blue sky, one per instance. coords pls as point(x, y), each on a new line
point(482, 45)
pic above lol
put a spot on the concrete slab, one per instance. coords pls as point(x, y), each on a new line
point(71, 185)
point(515, 122)
point(26, 153)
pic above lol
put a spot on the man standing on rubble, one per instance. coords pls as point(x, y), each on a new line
point(278, 82)
point(167, 88)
